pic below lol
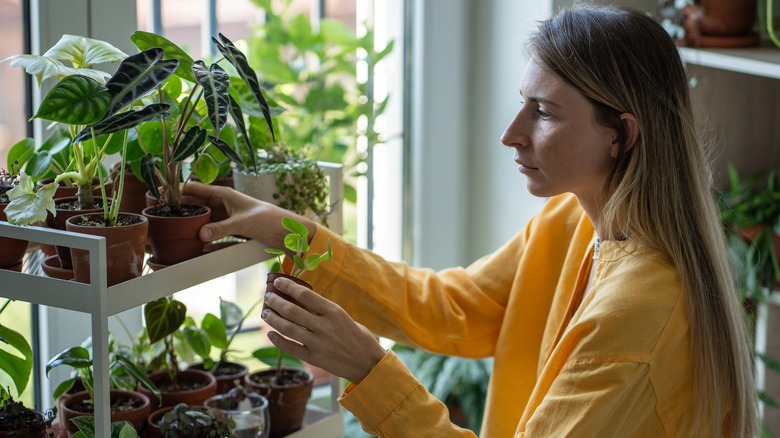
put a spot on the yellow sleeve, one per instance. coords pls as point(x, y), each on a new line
point(390, 402)
point(598, 400)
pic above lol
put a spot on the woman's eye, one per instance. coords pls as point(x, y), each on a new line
point(543, 114)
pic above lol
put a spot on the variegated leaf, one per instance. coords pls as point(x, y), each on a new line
point(226, 149)
point(148, 174)
point(239, 61)
point(193, 139)
point(75, 100)
point(137, 76)
point(84, 52)
point(238, 119)
point(147, 40)
point(125, 120)
point(215, 82)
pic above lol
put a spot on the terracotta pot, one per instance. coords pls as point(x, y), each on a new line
point(193, 397)
point(225, 382)
point(64, 191)
point(137, 417)
point(722, 23)
point(152, 427)
point(51, 267)
point(58, 223)
point(133, 194)
point(269, 285)
point(175, 239)
point(11, 250)
point(125, 247)
point(287, 404)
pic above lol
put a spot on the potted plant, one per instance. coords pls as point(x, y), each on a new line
point(249, 411)
point(17, 420)
point(220, 333)
point(11, 250)
point(182, 421)
point(126, 403)
point(287, 388)
point(119, 429)
point(163, 317)
point(711, 23)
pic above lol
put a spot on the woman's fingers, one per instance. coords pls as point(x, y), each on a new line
point(312, 301)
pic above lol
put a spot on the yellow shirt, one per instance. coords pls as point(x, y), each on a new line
point(614, 364)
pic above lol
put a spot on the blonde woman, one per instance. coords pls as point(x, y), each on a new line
point(612, 314)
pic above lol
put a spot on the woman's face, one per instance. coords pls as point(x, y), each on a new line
point(558, 143)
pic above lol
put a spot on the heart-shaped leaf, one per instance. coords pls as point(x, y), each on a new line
point(28, 205)
point(75, 100)
point(163, 317)
point(84, 52)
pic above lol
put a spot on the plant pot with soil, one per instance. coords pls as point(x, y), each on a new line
point(130, 406)
point(19, 421)
point(188, 421)
point(11, 250)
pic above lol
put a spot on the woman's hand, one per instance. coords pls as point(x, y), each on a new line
point(247, 216)
point(325, 336)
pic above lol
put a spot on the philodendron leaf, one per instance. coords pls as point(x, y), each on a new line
point(139, 75)
point(230, 314)
point(215, 82)
point(17, 368)
point(75, 100)
point(28, 205)
point(125, 120)
point(147, 40)
point(163, 317)
point(215, 329)
point(198, 339)
point(239, 61)
point(84, 52)
point(193, 139)
point(74, 357)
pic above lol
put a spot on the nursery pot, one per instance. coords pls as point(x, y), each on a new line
point(227, 374)
point(197, 386)
point(125, 246)
point(287, 401)
point(11, 250)
point(136, 413)
point(175, 239)
point(269, 285)
point(722, 23)
point(259, 186)
point(58, 223)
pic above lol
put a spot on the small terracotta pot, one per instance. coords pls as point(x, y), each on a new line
point(137, 417)
point(192, 397)
point(11, 250)
point(152, 427)
point(175, 239)
point(125, 247)
point(269, 285)
point(287, 404)
point(58, 223)
point(51, 267)
point(133, 194)
point(225, 382)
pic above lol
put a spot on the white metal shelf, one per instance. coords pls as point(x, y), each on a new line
point(101, 301)
point(759, 61)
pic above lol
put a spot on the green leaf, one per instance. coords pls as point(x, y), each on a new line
point(215, 82)
point(293, 243)
point(230, 314)
point(75, 357)
point(27, 205)
point(270, 356)
point(301, 32)
point(63, 387)
point(84, 52)
point(215, 329)
point(193, 139)
point(148, 174)
point(86, 425)
point(274, 251)
point(17, 368)
point(137, 76)
point(20, 152)
point(125, 120)
point(226, 149)
point(336, 32)
point(296, 227)
point(139, 374)
point(40, 164)
point(148, 40)
point(163, 317)
point(75, 100)
point(206, 168)
point(198, 339)
point(126, 430)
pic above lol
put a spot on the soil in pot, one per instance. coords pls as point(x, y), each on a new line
point(19, 421)
point(11, 250)
point(67, 208)
point(287, 397)
point(124, 405)
point(125, 245)
point(228, 374)
point(193, 388)
point(173, 234)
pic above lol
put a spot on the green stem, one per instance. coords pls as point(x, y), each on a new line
point(770, 28)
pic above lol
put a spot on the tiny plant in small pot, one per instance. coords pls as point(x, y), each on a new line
point(125, 402)
point(119, 429)
point(220, 333)
point(286, 387)
point(183, 421)
point(163, 318)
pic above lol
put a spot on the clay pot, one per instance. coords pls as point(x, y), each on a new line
point(125, 247)
point(51, 267)
point(11, 250)
point(175, 239)
point(58, 223)
point(722, 23)
point(287, 403)
point(133, 194)
point(137, 417)
point(205, 386)
point(225, 382)
point(269, 285)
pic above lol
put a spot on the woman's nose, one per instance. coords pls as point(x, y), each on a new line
point(512, 135)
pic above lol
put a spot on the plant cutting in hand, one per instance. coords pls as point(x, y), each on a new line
point(297, 242)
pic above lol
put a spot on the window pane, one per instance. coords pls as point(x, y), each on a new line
point(13, 128)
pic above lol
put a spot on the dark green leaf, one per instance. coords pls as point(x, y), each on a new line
point(215, 329)
point(75, 357)
point(125, 120)
point(215, 82)
point(18, 368)
point(75, 100)
point(270, 356)
point(137, 76)
point(226, 149)
point(148, 174)
point(198, 339)
point(163, 317)
point(193, 139)
point(148, 40)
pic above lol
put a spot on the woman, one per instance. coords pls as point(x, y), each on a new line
point(612, 314)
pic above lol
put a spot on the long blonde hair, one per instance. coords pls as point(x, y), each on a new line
point(660, 190)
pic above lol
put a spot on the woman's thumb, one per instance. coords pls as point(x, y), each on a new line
point(210, 232)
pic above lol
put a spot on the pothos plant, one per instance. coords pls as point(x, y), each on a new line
point(93, 111)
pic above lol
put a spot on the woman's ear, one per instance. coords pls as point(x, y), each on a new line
point(631, 128)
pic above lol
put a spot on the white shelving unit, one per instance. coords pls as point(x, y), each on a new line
point(763, 62)
point(101, 302)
